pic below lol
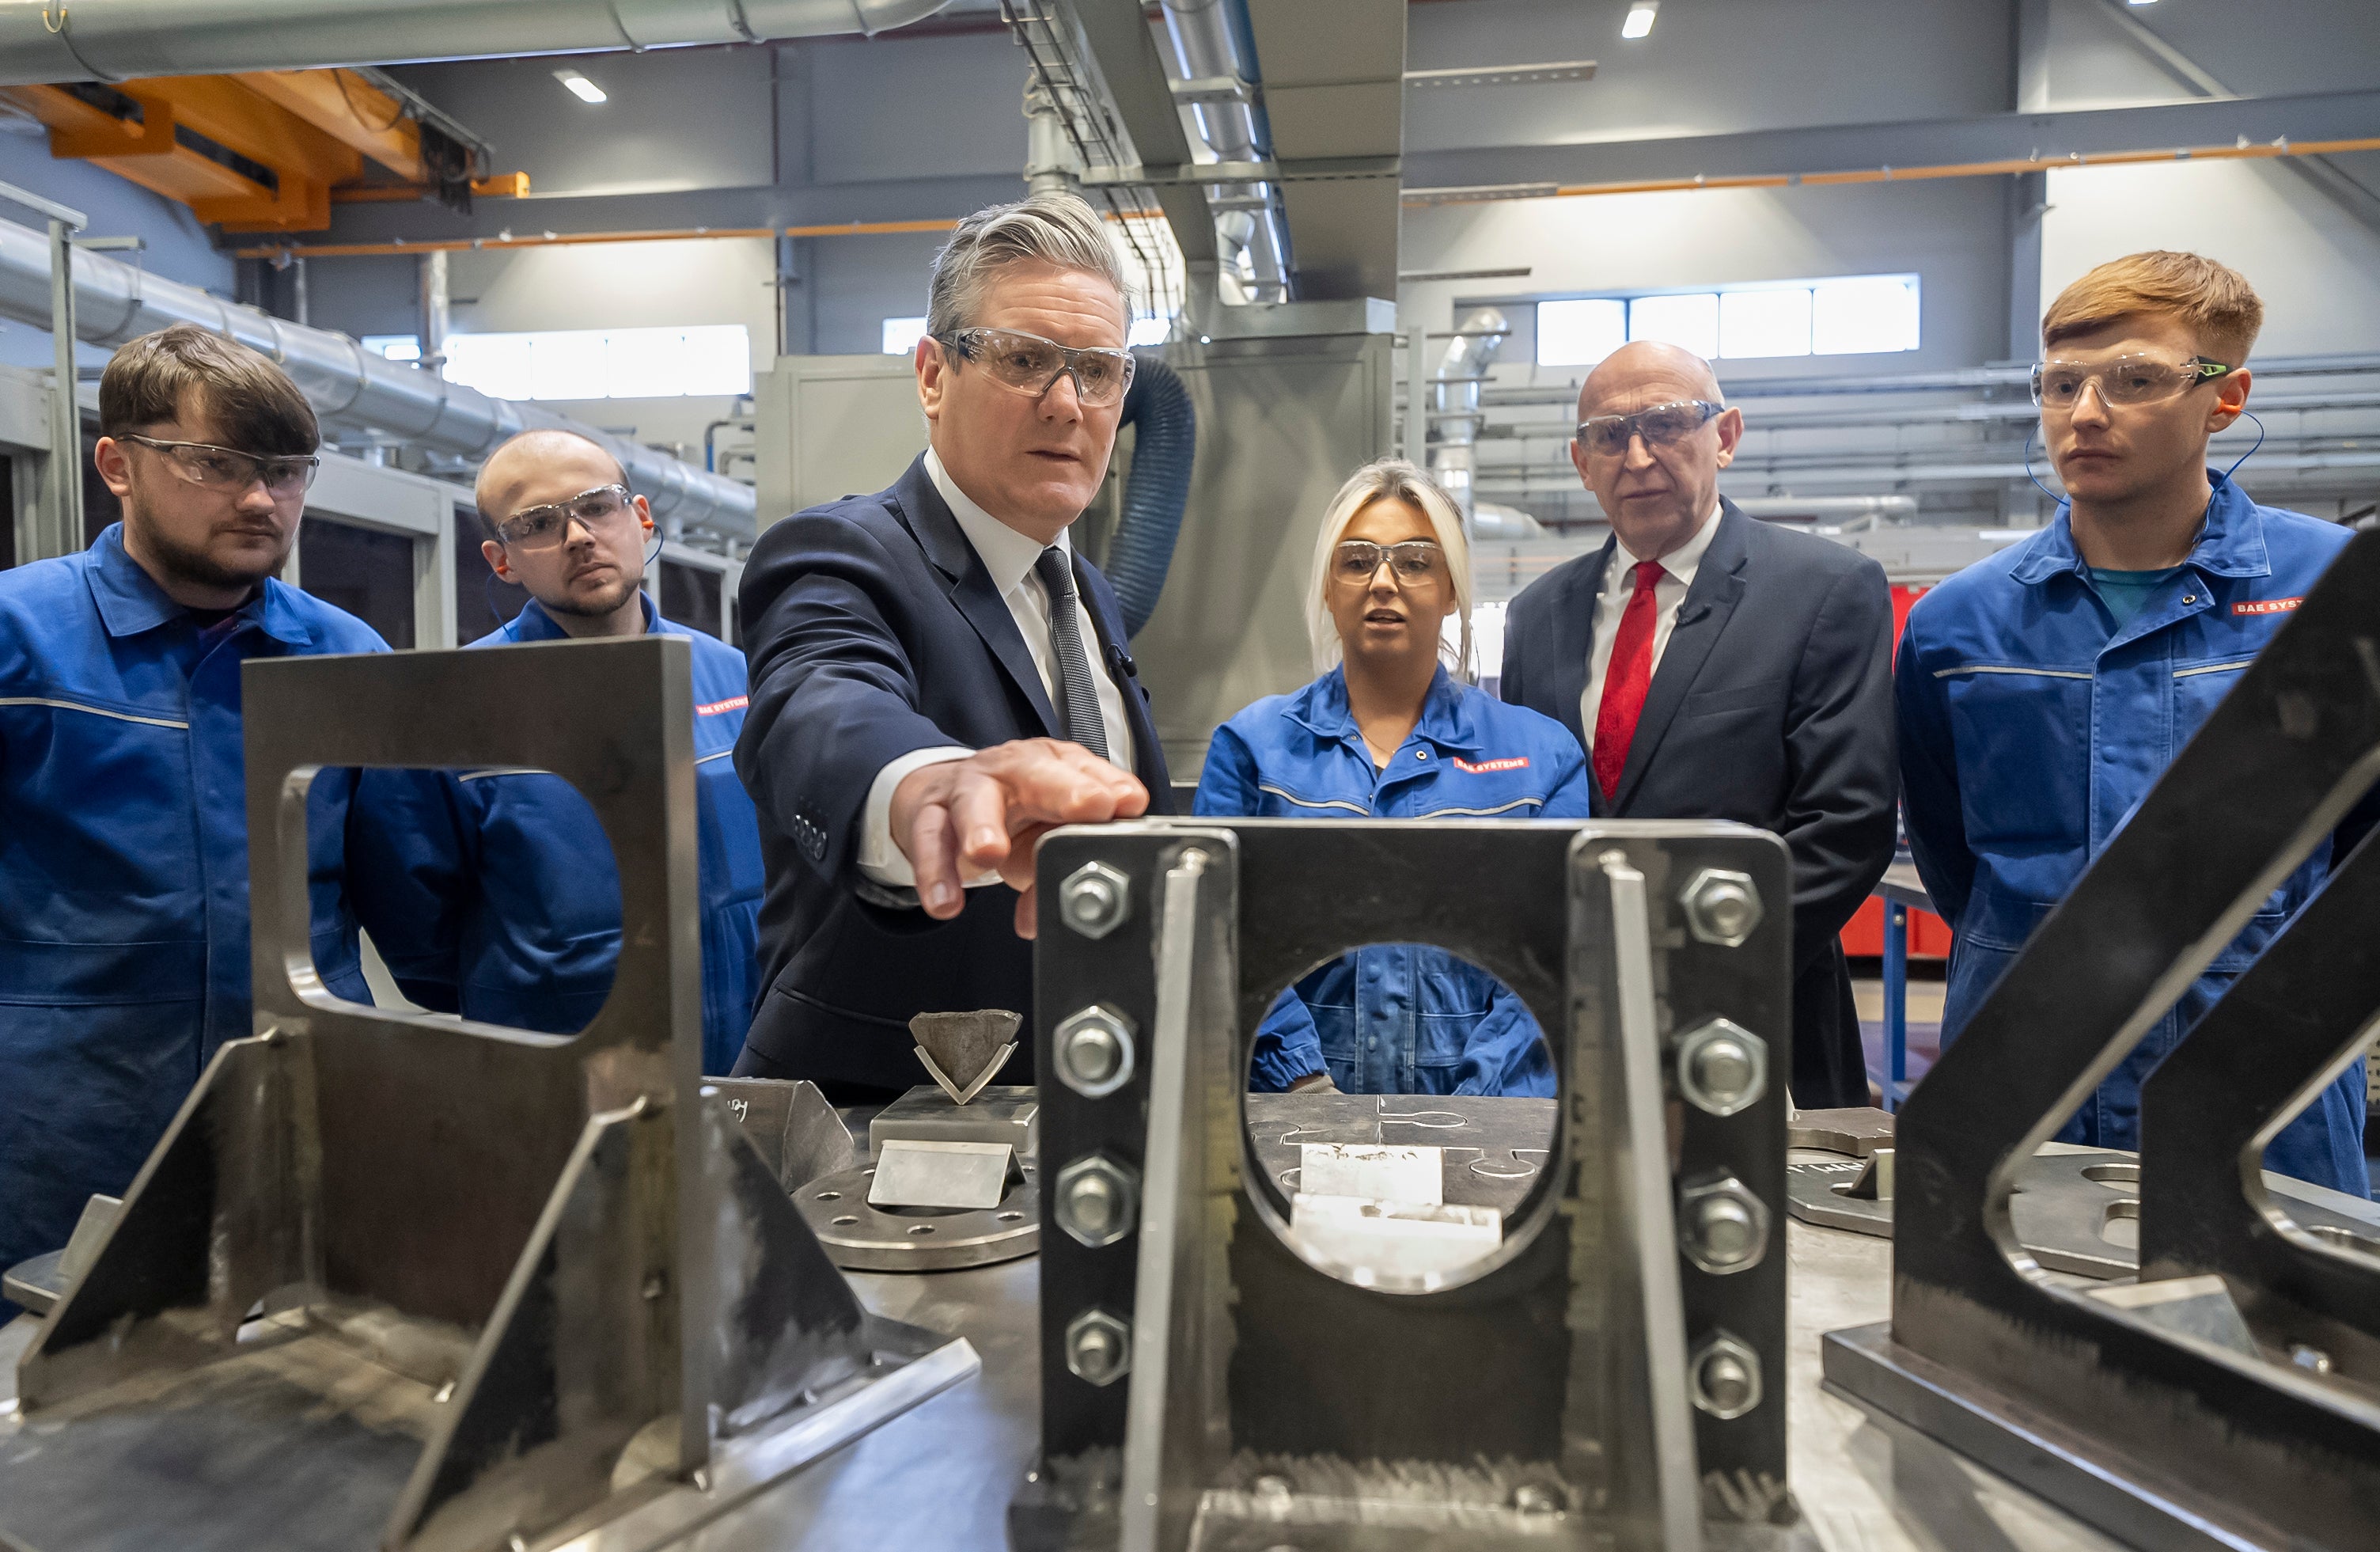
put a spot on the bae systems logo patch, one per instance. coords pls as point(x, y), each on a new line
point(1517, 762)
point(713, 708)
point(2266, 605)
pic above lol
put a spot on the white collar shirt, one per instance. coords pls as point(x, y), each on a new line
point(1619, 582)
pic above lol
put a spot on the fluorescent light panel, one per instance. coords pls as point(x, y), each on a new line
point(1640, 18)
point(580, 87)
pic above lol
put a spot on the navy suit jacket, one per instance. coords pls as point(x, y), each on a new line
point(1772, 706)
point(873, 630)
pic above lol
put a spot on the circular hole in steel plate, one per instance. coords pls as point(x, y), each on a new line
point(845, 1221)
point(917, 1228)
point(2116, 1175)
point(1011, 1217)
point(830, 1197)
point(2121, 1223)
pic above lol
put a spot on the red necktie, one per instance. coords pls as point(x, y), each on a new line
point(1626, 679)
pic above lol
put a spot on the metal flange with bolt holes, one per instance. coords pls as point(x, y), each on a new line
point(1725, 1375)
point(1099, 1347)
point(1099, 1200)
point(1095, 900)
point(1093, 1051)
point(1722, 906)
point(860, 1238)
point(1721, 1226)
point(1722, 1068)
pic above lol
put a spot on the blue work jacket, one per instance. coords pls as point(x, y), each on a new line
point(2030, 729)
point(1397, 1018)
point(493, 894)
point(123, 953)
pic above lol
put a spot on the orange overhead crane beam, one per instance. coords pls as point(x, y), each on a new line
point(310, 130)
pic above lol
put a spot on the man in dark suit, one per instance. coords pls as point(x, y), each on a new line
point(937, 679)
point(1718, 668)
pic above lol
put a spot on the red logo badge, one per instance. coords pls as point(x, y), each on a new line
point(732, 704)
point(2266, 605)
point(1514, 762)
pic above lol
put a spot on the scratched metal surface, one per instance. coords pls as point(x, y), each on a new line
point(1495, 1147)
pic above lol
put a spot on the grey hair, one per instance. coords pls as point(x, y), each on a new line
point(1390, 480)
point(1047, 228)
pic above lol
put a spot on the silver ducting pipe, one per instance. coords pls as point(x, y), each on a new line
point(1249, 228)
point(1455, 416)
point(348, 386)
point(120, 40)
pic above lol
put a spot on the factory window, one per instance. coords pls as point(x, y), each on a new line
point(689, 594)
point(1852, 315)
point(901, 335)
point(711, 359)
point(366, 571)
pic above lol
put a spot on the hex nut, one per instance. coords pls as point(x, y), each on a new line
point(1093, 1050)
point(1723, 1226)
point(1724, 1374)
point(1099, 1200)
point(1723, 1066)
point(1099, 1347)
point(1722, 906)
point(1095, 900)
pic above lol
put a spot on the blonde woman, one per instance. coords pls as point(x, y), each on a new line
point(1388, 732)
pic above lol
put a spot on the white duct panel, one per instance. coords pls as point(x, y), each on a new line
point(347, 384)
point(120, 40)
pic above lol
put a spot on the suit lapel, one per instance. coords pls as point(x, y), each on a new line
point(1147, 754)
point(969, 586)
point(1573, 641)
point(1702, 615)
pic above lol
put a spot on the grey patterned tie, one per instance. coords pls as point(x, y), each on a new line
point(1081, 708)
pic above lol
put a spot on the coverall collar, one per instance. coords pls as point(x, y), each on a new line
point(2231, 544)
point(1321, 709)
point(129, 601)
point(533, 624)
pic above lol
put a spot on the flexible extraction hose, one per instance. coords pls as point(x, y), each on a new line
point(1156, 491)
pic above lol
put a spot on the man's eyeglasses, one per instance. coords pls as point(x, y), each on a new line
point(2125, 380)
point(1659, 424)
point(228, 469)
point(545, 528)
point(1031, 364)
point(1358, 560)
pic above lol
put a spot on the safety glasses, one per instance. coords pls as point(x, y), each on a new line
point(2058, 386)
point(1413, 560)
point(228, 469)
point(1031, 364)
point(1659, 424)
point(545, 528)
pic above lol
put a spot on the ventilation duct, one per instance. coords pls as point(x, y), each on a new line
point(121, 40)
point(1155, 492)
point(1249, 230)
point(1455, 417)
point(348, 386)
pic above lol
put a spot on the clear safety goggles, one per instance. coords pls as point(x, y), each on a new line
point(1412, 560)
point(1660, 425)
point(546, 528)
point(228, 469)
point(2125, 380)
point(1032, 365)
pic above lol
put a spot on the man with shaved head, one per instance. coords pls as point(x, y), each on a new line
point(492, 894)
point(1718, 668)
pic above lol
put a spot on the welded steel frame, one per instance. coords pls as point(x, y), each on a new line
point(608, 1261)
point(2160, 1439)
point(1532, 1383)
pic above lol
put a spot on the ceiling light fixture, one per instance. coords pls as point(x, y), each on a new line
point(1640, 18)
point(580, 87)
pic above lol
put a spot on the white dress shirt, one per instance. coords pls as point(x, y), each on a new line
point(1009, 557)
point(1618, 585)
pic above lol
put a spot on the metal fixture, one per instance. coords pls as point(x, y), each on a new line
point(60, 524)
point(1094, 1051)
point(1099, 1200)
point(1098, 1348)
point(1726, 1376)
point(1250, 232)
point(1095, 900)
point(1455, 418)
point(1723, 1226)
point(348, 386)
point(124, 38)
point(1721, 907)
point(1504, 75)
point(1722, 1068)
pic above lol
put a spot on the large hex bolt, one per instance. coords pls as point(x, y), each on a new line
point(1094, 1051)
point(1724, 1374)
point(1095, 900)
point(1723, 1066)
point(1099, 1347)
point(1721, 1226)
point(1722, 906)
point(1098, 1200)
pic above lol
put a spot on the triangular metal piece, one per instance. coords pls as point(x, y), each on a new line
point(962, 1050)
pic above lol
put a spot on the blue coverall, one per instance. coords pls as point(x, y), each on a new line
point(2030, 726)
point(1397, 1018)
point(124, 951)
point(493, 894)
